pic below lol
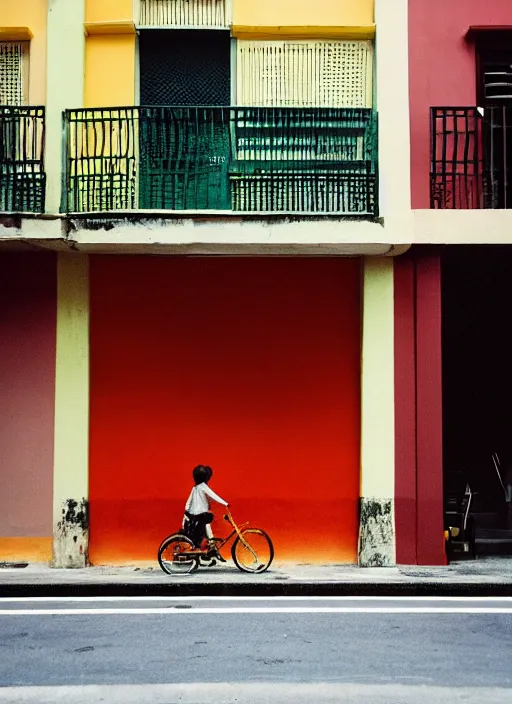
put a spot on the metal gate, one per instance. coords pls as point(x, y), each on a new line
point(184, 153)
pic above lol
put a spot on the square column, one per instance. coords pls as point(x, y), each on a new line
point(377, 530)
point(71, 439)
point(65, 85)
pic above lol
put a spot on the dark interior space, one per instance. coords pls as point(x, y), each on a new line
point(477, 381)
point(185, 67)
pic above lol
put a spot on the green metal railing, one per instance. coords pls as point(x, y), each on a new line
point(304, 160)
point(22, 175)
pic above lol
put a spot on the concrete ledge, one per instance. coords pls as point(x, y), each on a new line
point(359, 32)
point(228, 234)
point(462, 227)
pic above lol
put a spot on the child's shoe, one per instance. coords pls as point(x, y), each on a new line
point(213, 552)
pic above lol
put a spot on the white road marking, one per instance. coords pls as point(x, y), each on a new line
point(184, 598)
point(255, 610)
point(255, 693)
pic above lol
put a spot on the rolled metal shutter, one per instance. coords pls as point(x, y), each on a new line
point(305, 73)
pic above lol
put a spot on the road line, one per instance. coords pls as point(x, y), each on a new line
point(256, 611)
point(254, 693)
point(184, 598)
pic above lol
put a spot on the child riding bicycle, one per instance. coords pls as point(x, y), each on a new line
point(198, 517)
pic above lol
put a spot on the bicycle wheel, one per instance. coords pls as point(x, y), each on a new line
point(254, 553)
point(173, 558)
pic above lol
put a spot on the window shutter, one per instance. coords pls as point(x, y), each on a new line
point(305, 73)
point(12, 79)
point(498, 81)
point(183, 13)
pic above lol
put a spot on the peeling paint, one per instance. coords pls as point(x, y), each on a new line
point(71, 535)
point(376, 533)
point(76, 513)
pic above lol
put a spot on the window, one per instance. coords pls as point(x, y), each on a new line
point(494, 95)
point(13, 73)
point(305, 73)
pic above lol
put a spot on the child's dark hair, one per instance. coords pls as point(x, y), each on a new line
point(202, 473)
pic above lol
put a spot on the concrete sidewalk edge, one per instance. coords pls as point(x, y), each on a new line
point(484, 577)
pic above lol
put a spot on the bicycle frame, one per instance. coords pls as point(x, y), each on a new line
point(188, 553)
point(220, 542)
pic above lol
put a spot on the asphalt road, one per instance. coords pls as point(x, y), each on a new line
point(220, 650)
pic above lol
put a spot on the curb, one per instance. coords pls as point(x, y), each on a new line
point(304, 589)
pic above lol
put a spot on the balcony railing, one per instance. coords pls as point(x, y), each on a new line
point(294, 160)
point(22, 176)
point(184, 13)
point(471, 158)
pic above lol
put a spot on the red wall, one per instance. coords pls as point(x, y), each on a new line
point(442, 69)
point(418, 410)
point(250, 365)
point(28, 311)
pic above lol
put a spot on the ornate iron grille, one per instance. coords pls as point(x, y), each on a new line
point(22, 175)
point(471, 157)
point(318, 160)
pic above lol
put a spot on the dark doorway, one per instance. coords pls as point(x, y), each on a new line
point(494, 94)
point(477, 381)
point(184, 67)
point(184, 137)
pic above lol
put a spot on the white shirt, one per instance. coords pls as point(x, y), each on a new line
point(198, 500)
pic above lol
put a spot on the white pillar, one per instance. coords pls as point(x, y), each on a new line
point(392, 103)
point(377, 533)
point(71, 440)
point(65, 84)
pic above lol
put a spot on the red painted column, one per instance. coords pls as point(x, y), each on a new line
point(429, 430)
point(405, 412)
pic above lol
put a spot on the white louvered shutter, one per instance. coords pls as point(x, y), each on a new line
point(184, 13)
point(12, 78)
point(305, 73)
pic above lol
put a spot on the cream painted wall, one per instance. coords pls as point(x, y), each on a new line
point(108, 10)
point(66, 51)
point(31, 14)
point(303, 12)
point(377, 383)
point(72, 378)
point(392, 103)
point(462, 226)
point(71, 439)
point(110, 70)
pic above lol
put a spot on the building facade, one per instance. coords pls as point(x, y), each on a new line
point(209, 254)
point(460, 98)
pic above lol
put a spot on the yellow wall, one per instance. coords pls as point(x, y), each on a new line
point(109, 70)
point(297, 13)
point(30, 14)
point(108, 10)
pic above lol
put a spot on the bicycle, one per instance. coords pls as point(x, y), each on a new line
point(177, 553)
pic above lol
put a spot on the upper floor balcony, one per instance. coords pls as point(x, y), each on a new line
point(221, 159)
point(22, 174)
point(471, 158)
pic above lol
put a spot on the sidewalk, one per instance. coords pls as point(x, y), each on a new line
point(485, 576)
